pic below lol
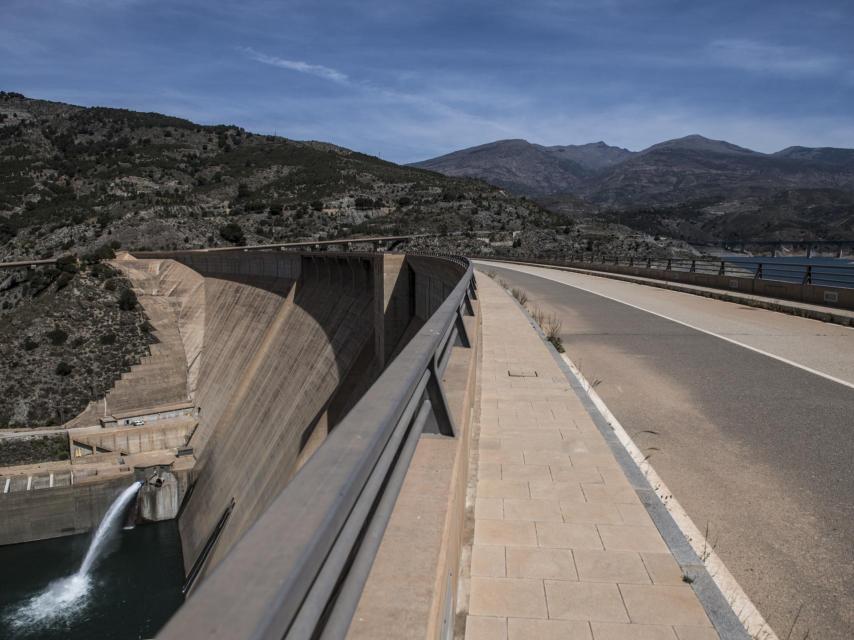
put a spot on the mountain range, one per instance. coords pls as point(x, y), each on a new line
point(73, 179)
point(692, 187)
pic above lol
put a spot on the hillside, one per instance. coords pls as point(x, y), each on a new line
point(691, 188)
point(73, 178)
point(66, 334)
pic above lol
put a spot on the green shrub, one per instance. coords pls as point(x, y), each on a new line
point(30, 344)
point(67, 264)
point(63, 368)
point(104, 252)
point(233, 233)
point(102, 271)
point(56, 336)
point(127, 300)
point(63, 280)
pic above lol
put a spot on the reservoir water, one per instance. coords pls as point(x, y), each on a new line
point(130, 593)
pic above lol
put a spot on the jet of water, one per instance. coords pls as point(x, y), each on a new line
point(109, 525)
point(65, 597)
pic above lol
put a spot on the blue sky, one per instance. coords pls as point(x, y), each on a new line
point(412, 79)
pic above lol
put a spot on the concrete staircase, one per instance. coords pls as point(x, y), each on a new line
point(172, 299)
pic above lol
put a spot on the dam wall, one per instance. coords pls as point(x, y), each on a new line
point(275, 347)
point(57, 511)
point(291, 341)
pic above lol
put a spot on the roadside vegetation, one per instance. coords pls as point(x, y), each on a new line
point(549, 324)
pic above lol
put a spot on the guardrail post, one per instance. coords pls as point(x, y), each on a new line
point(649, 262)
point(808, 275)
point(722, 269)
point(758, 274)
point(441, 412)
point(669, 264)
point(631, 261)
point(693, 266)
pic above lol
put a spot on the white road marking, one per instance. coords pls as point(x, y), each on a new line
point(741, 604)
point(792, 363)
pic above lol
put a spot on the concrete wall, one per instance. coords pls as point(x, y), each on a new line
point(279, 346)
point(58, 511)
point(291, 341)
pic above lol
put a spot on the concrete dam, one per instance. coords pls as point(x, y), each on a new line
point(279, 347)
point(259, 357)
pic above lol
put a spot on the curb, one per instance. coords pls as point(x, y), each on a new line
point(721, 614)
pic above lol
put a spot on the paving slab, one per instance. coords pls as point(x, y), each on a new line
point(563, 546)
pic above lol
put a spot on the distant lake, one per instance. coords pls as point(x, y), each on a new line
point(825, 271)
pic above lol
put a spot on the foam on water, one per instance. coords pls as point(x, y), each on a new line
point(64, 599)
point(61, 601)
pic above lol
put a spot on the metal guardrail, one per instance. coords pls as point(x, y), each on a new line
point(828, 275)
point(299, 571)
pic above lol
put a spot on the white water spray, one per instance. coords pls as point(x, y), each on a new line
point(65, 597)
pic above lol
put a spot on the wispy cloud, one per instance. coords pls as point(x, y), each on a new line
point(327, 73)
point(752, 55)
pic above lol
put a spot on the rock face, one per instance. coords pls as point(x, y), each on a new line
point(64, 340)
point(692, 188)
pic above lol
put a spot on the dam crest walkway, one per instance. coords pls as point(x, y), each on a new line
point(562, 545)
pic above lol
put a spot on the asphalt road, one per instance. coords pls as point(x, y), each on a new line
point(759, 452)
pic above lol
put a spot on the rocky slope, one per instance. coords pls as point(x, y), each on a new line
point(66, 334)
point(691, 188)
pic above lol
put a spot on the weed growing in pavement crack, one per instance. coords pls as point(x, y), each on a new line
point(520, 295)
point(552, 329)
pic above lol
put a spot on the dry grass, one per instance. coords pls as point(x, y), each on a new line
point(520, 295)
point(552, 328)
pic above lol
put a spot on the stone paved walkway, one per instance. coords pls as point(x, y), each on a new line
point(563, 548)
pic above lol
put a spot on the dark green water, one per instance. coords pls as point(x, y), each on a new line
point(133, 590)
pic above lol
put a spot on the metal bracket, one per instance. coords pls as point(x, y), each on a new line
point(443, 421)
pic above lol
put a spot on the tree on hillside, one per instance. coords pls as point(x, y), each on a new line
point(233, 233)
